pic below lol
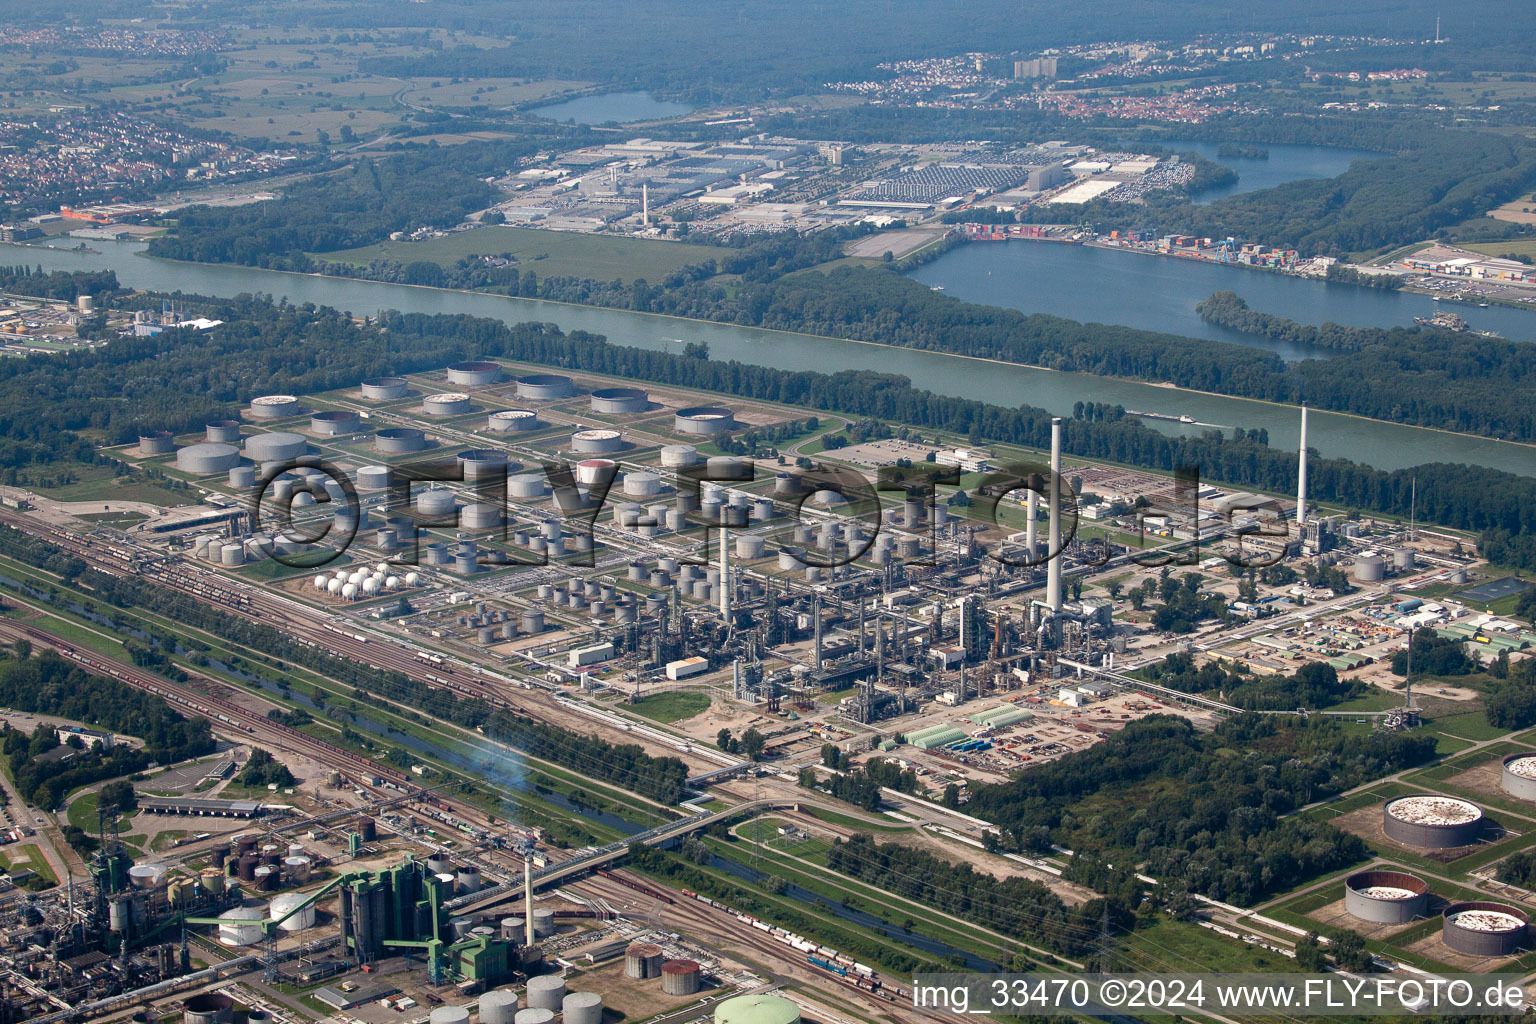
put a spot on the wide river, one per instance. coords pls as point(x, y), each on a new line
point(1385, 445)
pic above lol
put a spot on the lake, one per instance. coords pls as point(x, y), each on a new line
point(618, 107)
point(1159, 293)
point(1285, 163)
point(1373, 442)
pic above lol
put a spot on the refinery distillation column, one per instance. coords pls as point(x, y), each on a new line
point(1053, 573)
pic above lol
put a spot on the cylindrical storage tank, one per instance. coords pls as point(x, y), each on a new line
point(1385, 897)
point(1482, 928)
point(387, 539)
point(728, 467)
point(596, 441)
point(655, 604)
point(449, 1015)
point(449, 403)
point(677, 520)
point(509, 421)
point(435, 501)
point(582, 1008)
point(383, 389)
point(545, 992)
point(549, 529)
point(544, 387)
point(1458, 576)
point(159, 442)
point(624, 614)
point(642, 485)
point(145, 876)
point(459, 927)
point(750, 546)
point(212, 880)
point(232, 554)
point(282, 908)
point(642, 960)
point(468, 879)
point(703, 419)
point(498, 1007)
point(513, 929)
point(244, 844)
point(532, 621)
point(368, 829)
point(241, 926)
point(1403, 559)
point(465, 563)
point(1432, 822)
point(525, 485)
point(1519, 776)
point(482, 462)
point(620, 400)
point(534, 1014)
point(659, 579)
point(373, 478)
point(480, 515)
point(474, 374)
point(275, 447)
point(590, 471)
point(1370, 568)
point(297, 867)
point(762, 509)
point(267, 876)
point(333, 422)
point(205, 458)
point(757, 1008)
point(208, 1008)
point(789, 559)
point(636, 572)
point(680, 977)
point(242, 477)
point(702, 591)
point(222, 431)
point(437, 554)
point(399, 440)
point(543, 923)
point(274, 407)
point(679, 456)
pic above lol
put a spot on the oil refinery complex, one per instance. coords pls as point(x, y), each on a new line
point(582, 552)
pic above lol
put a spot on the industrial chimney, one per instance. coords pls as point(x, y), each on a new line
point(1053, 573)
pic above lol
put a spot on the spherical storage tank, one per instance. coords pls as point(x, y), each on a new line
point(582, 1008)
point(399, 440)
point(680, 977)
point(382, 389)
point(1482, 928)
point(222, 431)
point(482, 462)
point(274, 407)
point(545, 386)
point(757, 1009)
point(1385, 897)
point(159, 442)
point(449, 403)
point(335, 421)
point(282, 907)
point(275, 447)
point(474, 374)
point(241, 926)
point(1519, 776)
point(545, 992)
point(703, 419)
point(590, 442)
point(201, 459)
point(620, 400)
point(507, 421)
point(1432, 822)
point(498, 1007)
point(1370, 568)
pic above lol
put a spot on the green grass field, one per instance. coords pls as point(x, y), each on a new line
point(546, 253)
point(670, 707)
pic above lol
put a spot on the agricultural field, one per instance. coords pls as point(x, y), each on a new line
point(546, 253)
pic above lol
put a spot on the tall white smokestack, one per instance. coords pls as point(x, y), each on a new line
point(1301, 477)
point(528, 899)
point(725, 575)
point(645, 203)
point(1031, 509)
point(1053, 573)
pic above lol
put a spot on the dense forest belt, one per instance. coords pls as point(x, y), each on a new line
point(1228, 309)
point(56, 406)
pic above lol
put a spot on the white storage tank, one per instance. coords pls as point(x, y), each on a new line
point(474, 374)
point(679, 456)
point(449, 403)
point(547, 991)
point(159, 442)
point(509, 421)
point(498, 1007)
point(525, 485)
point(241, 926)
point(449, 1015)
point(284, 904)
point(274, 407)
point(543, 923)
point(382, 389)
point(534, 1015)
point(595, 441)
point(373, 478)
point(205, 458)
point(640, 484)
point(582, 1008)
